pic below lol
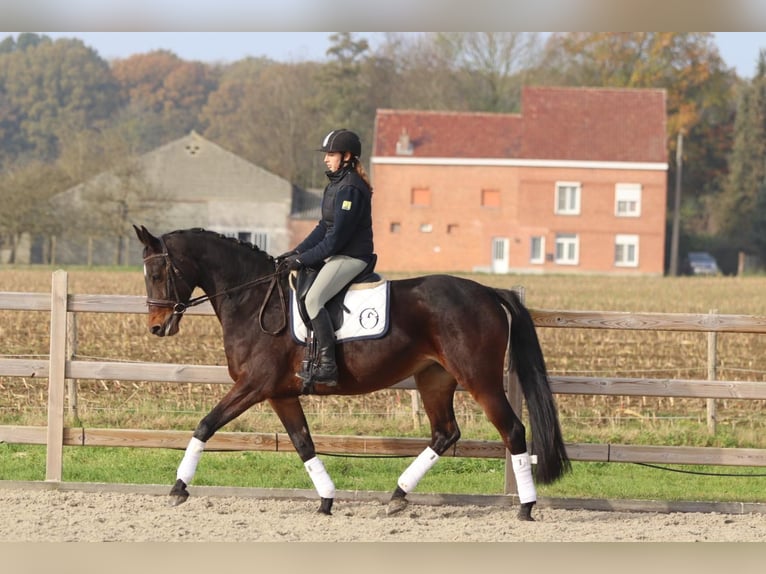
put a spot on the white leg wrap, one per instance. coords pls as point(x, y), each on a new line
point(321, 479)
point(522, 470)
point(188, 465)
point(417, 470)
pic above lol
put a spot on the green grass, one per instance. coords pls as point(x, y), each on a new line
point(449, 476)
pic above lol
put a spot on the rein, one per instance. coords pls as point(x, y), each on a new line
point(179, 307)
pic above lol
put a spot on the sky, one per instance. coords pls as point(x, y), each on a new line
point(738, 49)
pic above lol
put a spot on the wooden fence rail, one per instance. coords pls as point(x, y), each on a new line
point(62, 306)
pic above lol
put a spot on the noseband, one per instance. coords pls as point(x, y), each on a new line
point(179, 307)
point(171, 271)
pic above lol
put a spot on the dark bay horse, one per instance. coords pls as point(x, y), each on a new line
point(444, 331)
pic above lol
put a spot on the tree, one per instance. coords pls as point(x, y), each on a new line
point(741, 213)
point(48, 89)
point(113, 190)
point(168, 90)
point(267, 113)
point(699, 94)
point(25, 191)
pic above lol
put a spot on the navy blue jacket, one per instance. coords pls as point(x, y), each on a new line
point(346, 224)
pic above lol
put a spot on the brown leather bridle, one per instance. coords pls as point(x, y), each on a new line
point(179, 306)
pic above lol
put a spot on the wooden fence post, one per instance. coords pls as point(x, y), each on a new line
point(56, 371)
point(513, 392)
point(712, 359)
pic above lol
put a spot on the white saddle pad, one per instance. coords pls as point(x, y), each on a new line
point(366, 318)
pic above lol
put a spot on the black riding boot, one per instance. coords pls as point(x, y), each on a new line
point(326, 372)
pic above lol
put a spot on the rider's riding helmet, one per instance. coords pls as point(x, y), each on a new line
point(342, 140)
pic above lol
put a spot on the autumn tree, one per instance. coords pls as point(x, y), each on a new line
point(163, 91)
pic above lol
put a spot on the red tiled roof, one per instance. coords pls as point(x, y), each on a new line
point(584, 124)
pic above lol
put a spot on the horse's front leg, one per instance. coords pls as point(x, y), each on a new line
point(239, 398)
point(290, 412)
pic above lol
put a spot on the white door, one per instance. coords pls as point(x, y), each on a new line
point(500, 255)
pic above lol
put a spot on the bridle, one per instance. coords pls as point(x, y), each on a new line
point(179, 307)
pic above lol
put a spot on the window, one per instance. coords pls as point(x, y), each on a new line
point(627, 200)
point(259, 238)
point(567, 198)
point(451, 228)
point(426, 228)
point(567, 249)
point(395, 227)
point(421, 196)
point(626, 250)
point(537, 249)
point(490, 198)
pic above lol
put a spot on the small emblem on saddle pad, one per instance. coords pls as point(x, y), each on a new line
point(366, 318)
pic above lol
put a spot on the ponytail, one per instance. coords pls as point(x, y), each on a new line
point(363, 174)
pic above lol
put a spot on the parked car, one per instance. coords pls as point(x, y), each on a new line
point(700, 263)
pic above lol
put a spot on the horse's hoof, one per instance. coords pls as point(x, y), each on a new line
point(396, 505)
point(178, 494)
point(326, 506)
point(525, 512)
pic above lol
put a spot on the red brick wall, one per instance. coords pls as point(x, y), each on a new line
point(526, 209)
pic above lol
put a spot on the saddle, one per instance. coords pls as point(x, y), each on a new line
point(302, 281)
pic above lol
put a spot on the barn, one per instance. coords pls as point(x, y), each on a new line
point(189, 182)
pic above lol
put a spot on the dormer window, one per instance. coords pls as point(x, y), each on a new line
point(404, 145)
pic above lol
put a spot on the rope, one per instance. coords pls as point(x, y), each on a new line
point(700, 473)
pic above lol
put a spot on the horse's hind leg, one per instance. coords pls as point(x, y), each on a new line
point(290, 412)
point(437, 389)
point(513, 433)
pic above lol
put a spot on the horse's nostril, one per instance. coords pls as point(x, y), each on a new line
point(156, 329)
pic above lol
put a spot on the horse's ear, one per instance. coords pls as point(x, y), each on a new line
point(145, 237)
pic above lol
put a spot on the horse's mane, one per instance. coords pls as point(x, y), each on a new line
point(220, 236)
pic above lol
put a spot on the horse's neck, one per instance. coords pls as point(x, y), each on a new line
point(221, 275)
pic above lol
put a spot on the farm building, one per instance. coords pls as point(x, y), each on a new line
point(190, 182)
point(576, 182)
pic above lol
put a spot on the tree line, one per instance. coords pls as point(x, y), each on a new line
point(67, 114)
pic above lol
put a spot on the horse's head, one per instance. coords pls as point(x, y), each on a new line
point(167, 286)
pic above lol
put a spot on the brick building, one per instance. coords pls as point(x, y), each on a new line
point(576, 182)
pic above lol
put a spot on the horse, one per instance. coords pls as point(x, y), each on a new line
point(443, 330)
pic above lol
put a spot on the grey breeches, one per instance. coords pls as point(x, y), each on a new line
point(336, 273)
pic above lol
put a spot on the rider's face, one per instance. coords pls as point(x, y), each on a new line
point(332, 160)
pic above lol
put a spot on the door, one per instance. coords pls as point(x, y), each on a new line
point(500, 255)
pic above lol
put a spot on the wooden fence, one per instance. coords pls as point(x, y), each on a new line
point(60, 366)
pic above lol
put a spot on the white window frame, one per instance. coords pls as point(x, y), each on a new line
point(567, 198)
point(627, 200)
point(538, 257)
point(257, 237)
point(626, 250)
point(567, 249)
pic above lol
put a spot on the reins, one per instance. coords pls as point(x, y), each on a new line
point(179, 307)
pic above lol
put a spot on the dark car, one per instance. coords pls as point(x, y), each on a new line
point(700, 263)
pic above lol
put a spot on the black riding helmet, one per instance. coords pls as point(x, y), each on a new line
point(342, 140)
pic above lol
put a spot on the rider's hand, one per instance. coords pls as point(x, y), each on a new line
point(292, 263)
point(280, 258)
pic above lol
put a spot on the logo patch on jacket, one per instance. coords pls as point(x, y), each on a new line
point(346, 205)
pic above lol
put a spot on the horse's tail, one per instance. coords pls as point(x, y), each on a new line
point(528, 362)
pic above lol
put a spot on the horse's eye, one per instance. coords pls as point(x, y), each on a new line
point(155, 277)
